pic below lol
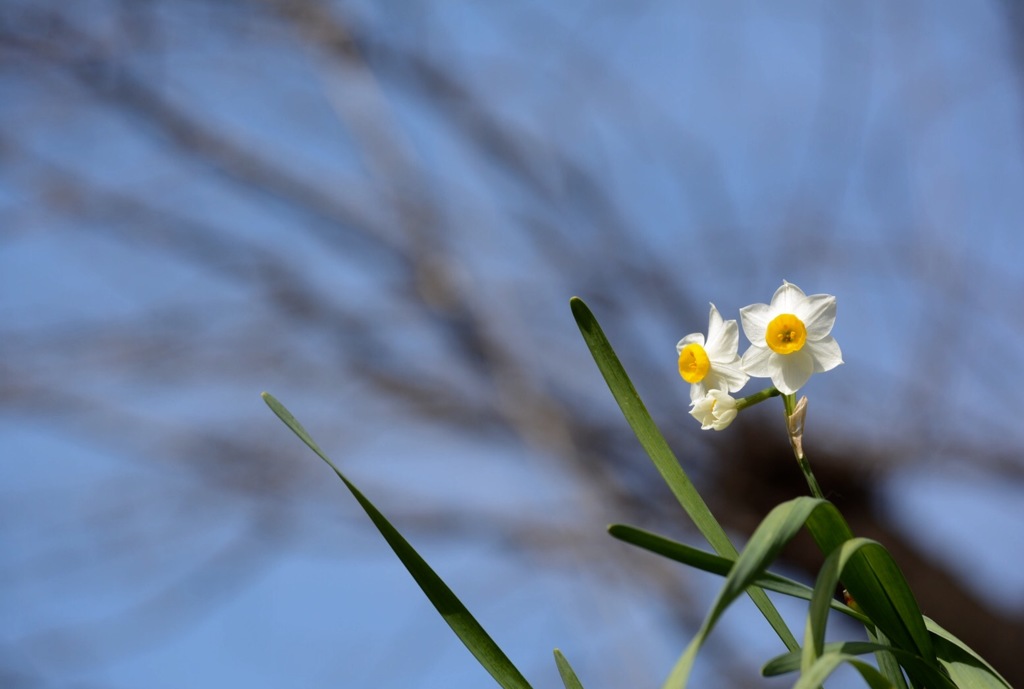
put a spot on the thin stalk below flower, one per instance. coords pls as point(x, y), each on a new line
point(796, 412)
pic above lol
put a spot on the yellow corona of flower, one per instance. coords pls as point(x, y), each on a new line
point(789, 338)
point(712, 364)
point(714, 410)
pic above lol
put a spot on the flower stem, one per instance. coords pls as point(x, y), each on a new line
point(812, 482)
point(751, 400)
point(796, 412)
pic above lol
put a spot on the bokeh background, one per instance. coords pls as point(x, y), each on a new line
point(378, 212)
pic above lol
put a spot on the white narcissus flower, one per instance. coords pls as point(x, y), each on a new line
point(790, 337)
point(712, 364)
point(714, 410)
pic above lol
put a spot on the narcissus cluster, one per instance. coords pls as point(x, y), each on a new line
point(790, 339)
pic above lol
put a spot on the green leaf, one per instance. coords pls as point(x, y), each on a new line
point(968, 669)
point(824, 593)
point(465, 626)
point(873, 579)
point(664, 460)
point(835, 655)
point(827, 664)
point(887, 663)
point(716, 564)
point(790, 662)
point(869, 574)
point(569, 678)
point(777, 529)
point(828, 578)
point(965, 668)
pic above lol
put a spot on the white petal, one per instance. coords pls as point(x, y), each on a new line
point(690, 339)
point(722, 399)
point(714, 410)
point(714, 321)
point(794, 371)
point(723, 341)
point(723, 419)
point(787, 299)
point(818, 313)
point(826, 354)
point(757, 361)
point(697, 391)
point(755, 322)
point(728, 377)
point(700, 409)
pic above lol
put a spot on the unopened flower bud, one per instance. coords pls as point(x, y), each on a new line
point(714, 410)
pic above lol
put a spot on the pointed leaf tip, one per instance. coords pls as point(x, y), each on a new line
point(569, 678)
point(578, 307)
point(458, 617)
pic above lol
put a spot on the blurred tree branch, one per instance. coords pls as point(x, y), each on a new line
point(443, 326)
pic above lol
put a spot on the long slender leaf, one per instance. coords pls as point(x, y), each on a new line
point(569, 678)
point(774, 531)
point(827, 664)
point(887, 663)
point(874, 580)
point(465, 626)
point(965, 668)
point(828, 577)
point(876, 584)
point(715, 564)
point(792, 661)
point(961, 662)
point(664, 460)
point(870, 575)
point(824, 590)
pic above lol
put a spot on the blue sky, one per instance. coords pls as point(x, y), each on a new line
point(873, 153)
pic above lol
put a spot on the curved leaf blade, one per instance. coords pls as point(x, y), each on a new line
point(815, 676)
point(790, 662)
point(664, 459)
point(458, 617)
point(774, 531)
point(877, 584)
point(967, 669)
point(824, 588)
point(870, 575)
point(716, 564)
